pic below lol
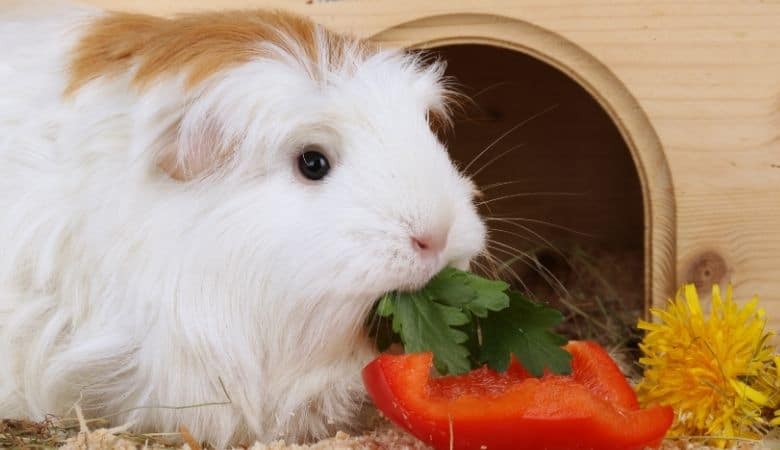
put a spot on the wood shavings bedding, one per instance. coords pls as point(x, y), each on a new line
point(386, 437)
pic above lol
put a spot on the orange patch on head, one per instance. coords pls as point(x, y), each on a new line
point(196, 45)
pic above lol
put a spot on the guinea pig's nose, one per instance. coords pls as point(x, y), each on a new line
point(429, 243)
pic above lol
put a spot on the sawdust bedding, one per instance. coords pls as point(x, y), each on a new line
point(387, 438)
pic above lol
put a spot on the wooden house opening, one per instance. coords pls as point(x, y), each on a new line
point(562, 194)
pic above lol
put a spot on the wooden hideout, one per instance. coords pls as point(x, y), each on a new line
point(658, 124)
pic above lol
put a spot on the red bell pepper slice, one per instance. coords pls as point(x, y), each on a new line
point(593, 408)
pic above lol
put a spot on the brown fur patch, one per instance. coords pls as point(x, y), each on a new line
point(198, 44)
point(442, 120)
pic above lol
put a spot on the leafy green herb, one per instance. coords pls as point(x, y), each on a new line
point(465, 290)
point(524, 329)
point(427, 325)
point(467, 320)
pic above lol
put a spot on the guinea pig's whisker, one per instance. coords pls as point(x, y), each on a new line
point(519, 255)
point(507, 133)
point(516, 251)
point(492, 261)
point(533, 262)
point(553, 281)
point(507, 268)
point(492, 264)
point(490, 186)
point(485, 269)
point(557, 251)
point(500, 266)
point(370, 318)
point(527, 194)
point(496, 158)
point(374, 319)
point(514, 254)
point(514, 233)
point(516, 222)
point(546, 223)
point(526, 229)
point(494, 86)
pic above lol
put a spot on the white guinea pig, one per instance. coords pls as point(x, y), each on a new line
point(211, 200)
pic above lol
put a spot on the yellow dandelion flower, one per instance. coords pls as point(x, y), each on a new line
point(717, 370)
point(775, 384)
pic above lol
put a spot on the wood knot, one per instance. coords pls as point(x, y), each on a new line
point(707, 268)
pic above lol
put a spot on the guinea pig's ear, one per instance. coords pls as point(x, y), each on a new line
point(193, 151)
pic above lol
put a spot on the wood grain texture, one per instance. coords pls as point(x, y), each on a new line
point(694, 87)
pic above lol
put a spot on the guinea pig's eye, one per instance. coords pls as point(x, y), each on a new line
point(312, 163)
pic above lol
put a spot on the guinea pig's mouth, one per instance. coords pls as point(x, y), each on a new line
point(418, 278)
point(413, 285)
point(379, 323)
point(461, 264)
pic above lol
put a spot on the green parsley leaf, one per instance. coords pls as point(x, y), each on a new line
point(466, 321)
point(385, 307)
point(524, 329)
point(425, 325)
point(465, 290)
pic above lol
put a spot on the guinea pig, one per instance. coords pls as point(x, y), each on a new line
point(199, 212)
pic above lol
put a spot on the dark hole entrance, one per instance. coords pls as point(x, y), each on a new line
point(561, 192)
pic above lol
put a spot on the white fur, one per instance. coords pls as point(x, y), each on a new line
point(131, 292)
